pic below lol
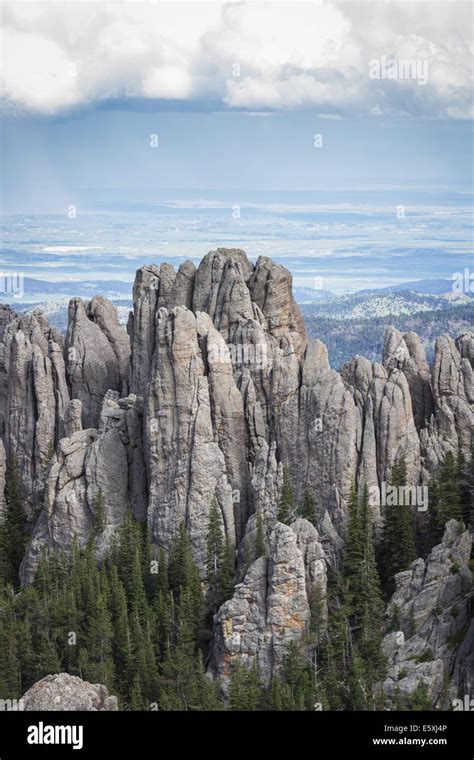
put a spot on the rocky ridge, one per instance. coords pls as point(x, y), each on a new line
point(210, 392)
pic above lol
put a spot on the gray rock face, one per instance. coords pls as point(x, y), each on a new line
point(186, 466)
point(154, 288)
point(270, 607)
point(34, 402)
point(314, 557)
point(96, 355)
point(3, 465)
point(68, 693)
point(103, 313)
point(213, 391)
point(317, 435)
point(430, 606)
point(462, 679)
point(328, 430)
point(141, 326)
point(87, 462)
point(453, 391)
point(465, 346)
point(406, 353)
point(220, 288)
point(72, 419)
point(270, 287)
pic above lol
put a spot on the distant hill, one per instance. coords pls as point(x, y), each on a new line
point(364, 336)
point(369, 304)
point(42, 290)
point(309, 295)
point(435, 287)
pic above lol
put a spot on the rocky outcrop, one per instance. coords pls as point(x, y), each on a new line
point(462, 678)
point(211, 394)
point(72, 419)
point(268, 610)
point(186, 465)
point(35, 401)
point(3, 465)
point(406, 353)
point(89, 463)
point(104, 314)
point(270, 607)
point(270, 287)
point(96, 355)
point(64, 692)
point(220, 288)
point(453, 391)
point(154, 288)
point(429, 609)
point(141, 325)
point(317, 435)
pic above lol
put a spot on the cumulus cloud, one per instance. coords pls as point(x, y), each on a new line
point(255, 56)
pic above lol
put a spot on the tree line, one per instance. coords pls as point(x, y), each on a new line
point(143, 625)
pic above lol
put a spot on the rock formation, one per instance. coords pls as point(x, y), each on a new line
point(68, 693)
point(213, 389)
point(271, 606)
point(96, 354)
point(429, 608)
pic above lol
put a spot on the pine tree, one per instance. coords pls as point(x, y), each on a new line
point(99, 514)
point(100, 667)
point(13, 535)
point(351, 657)
point(370, 606)
point(184, 578)
point(121, 640)
point(227, 571)
point(215, 556)
point(286, 507)
point(308, 508)
point(245, 689)
point(151, 580)
point(137, 701)
point(10, 665)
point(206, 691)
point(398, 548)
point(356, 682)
point(299, 693)
point(354, 550)
point(445, 493)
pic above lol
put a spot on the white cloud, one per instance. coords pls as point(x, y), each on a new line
point(59, 55)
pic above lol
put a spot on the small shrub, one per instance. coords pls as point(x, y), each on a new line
point(427, 656)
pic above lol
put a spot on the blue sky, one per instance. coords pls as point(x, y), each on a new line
point(236, 93)
point(104, 156)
